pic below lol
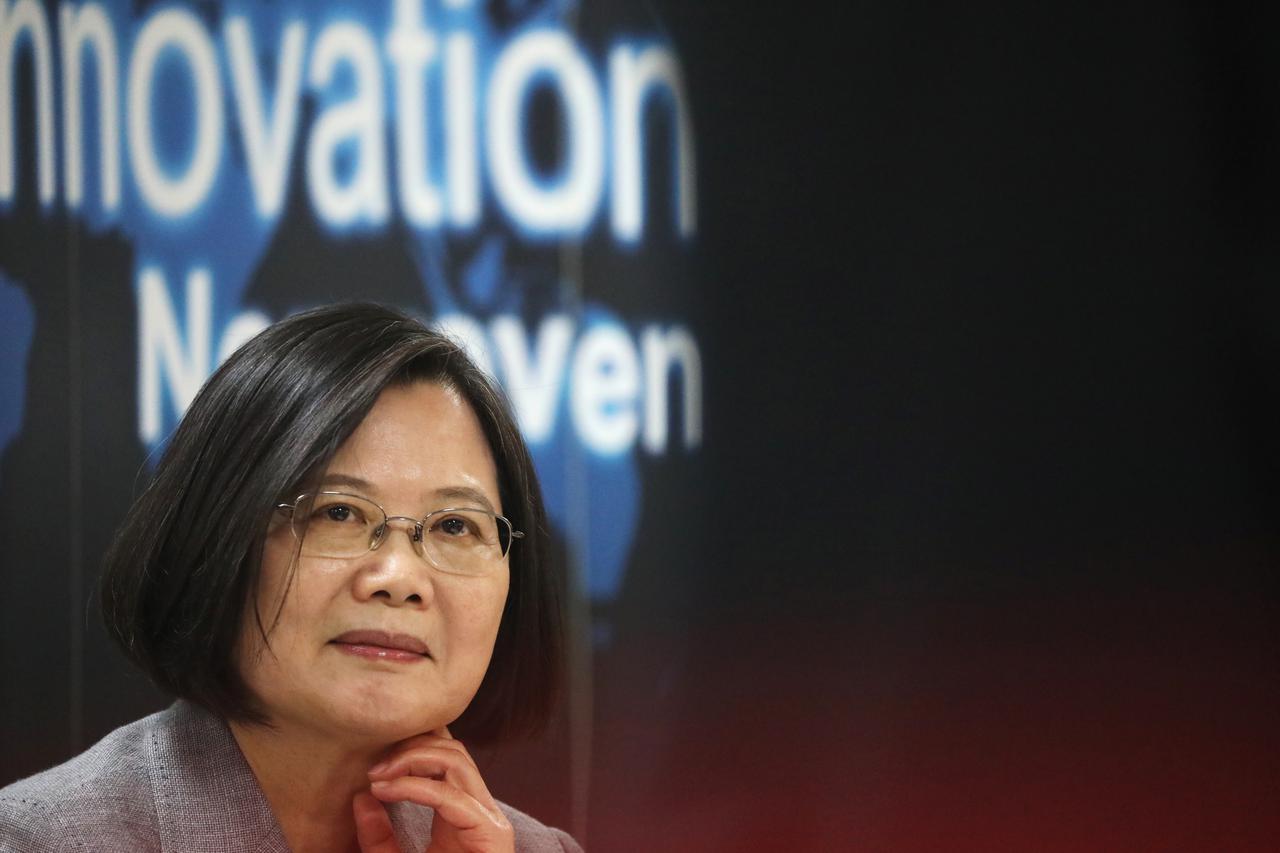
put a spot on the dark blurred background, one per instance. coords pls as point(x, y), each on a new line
point(993, 436)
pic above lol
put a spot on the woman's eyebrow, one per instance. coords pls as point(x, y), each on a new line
point(449, 493)
point(464, 493)
point(346, 480)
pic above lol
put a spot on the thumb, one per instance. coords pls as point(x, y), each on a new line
point(374, 833)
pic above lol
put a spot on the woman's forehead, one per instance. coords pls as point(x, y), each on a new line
point(421, 441)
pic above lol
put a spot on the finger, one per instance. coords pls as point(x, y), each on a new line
point(430, 739)
point(438, 763)
point(374, 832)
point(452, 804)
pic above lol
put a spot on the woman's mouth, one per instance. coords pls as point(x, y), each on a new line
point(380, 645)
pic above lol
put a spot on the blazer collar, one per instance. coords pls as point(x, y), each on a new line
point(206, 796)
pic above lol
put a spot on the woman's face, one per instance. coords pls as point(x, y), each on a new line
point(420, 449)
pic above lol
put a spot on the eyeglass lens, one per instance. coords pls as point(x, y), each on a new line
point(461, 541)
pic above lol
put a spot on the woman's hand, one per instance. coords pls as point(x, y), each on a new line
point(437, 771)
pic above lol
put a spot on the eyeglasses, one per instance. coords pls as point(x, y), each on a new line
point(460, 540)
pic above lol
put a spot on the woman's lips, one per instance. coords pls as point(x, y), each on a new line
point(380, 645)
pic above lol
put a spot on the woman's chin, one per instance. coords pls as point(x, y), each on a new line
point(382, 719)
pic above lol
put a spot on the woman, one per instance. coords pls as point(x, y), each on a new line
point(337, 569)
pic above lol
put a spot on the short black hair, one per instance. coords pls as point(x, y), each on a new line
point(178, 576)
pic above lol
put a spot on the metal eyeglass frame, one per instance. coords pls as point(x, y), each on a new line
point(419, 524)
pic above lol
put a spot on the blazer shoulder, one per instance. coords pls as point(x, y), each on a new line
point(99, 800)
point(28, 824)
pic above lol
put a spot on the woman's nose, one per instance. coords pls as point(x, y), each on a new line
point(394, 572)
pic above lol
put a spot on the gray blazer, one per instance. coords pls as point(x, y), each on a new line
point(176, 781)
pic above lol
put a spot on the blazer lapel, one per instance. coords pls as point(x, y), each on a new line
point(206, 797)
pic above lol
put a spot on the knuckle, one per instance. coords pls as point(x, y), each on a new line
point(432, 753)
point(450, 744)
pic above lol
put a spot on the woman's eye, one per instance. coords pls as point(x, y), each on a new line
point(339, 513)
point(453, 527)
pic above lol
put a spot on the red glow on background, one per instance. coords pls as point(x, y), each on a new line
point(1035, 725)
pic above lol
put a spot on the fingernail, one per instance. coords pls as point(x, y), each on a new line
point(379, 767)
point(381, 783)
